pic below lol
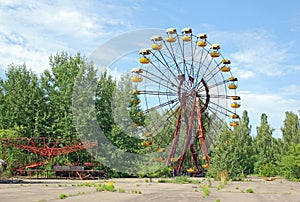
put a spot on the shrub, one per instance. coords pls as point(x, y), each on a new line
point(205, 190)
point(290, 163)
point(121, 190)
point(249, 190)
point(267, 170)
point(62, 196)
point(106, 187)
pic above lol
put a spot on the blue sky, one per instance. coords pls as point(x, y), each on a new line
point(260, 37)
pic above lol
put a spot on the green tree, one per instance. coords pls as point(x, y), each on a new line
point(21, 99)
point(266, 148)
point(290, 163)
point(106, 89)
point(291, 128)
point(58, 86)
point(84, 106)
point(233, 151)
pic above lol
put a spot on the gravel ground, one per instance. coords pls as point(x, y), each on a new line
point(143, 190)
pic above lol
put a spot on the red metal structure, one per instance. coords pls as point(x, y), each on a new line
point(47, 148)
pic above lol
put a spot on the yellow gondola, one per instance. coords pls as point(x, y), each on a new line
point(144, 60)
point(226, 61)
point(235, 97)
point(234, 123)
point(170, 39)
point(201, 43)
point(235, 105)
point(205, 166)
point(192, 170)
point(156, 46)
point(136, 79)
point(171, 35)
point(232, 79)
point(232, 86)
point(187, 32)
point(214, 54)
point(225, 69)
point(186, 38)
point(234, 116)
point(147, 144)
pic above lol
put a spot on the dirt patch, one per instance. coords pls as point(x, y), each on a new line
point(146, 190)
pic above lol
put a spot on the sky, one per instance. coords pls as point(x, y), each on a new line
point(261, 38)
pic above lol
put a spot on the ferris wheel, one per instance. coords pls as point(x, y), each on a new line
point(184, 94)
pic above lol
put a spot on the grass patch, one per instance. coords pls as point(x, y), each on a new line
point(121, 190)
point(106, 187)
point(136, 192)
point(205, 190)
point(249, 190)
point(62, 196)
point(179, 180)
point(78, 193)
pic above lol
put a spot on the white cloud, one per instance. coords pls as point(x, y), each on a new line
point(291, 90)
point(274, 105)
point(257, 52)
point(243, 74)
point(30, 32)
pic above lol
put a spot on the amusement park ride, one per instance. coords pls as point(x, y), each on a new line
point(46, 149)
point(185, 79)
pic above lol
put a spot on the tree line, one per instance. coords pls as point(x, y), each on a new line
point(42, 105)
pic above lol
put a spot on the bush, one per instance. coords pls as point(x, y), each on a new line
point(62, 196)
point(206, 190)
point(249, 190)
point(267, 170)
point(106, 187)
point(290, 163)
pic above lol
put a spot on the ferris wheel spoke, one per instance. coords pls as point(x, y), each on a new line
point(171, 52)
point(200, 89)
point(219, 96)
point(213, 75)
point(165, 78)
point(165, 64)
point(173, 102)
point(149, 92)
point(219, 106)
point(158, 82)
point(181, 48)
point(201, 62)
point(207, 66)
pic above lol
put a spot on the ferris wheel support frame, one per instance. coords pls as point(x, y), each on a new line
point(201, 131)
point(190, 127)
point(175, 140)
